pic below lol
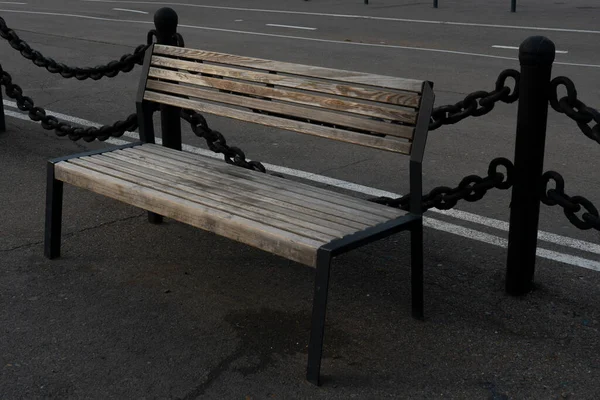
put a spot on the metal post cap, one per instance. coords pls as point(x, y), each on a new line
point(166, 19)
point(537, 50)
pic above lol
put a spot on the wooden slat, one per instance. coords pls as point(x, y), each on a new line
point(314, 114)
point(258, 189)
point(273, 240)
point(309, 214)
point(285, 185)
point(276, 184)
point(352, 107)
point(272, 220)
point(392, 145)
point(404, 99)
point(291, 68)
point(208, 181)
point(222, 194)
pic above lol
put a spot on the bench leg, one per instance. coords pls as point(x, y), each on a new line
point(416, 263)
point(54, 200)
point(154, 218)
point(317, 329)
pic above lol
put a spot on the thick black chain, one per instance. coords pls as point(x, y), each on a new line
point(217, 143)
point(575, 108)
point(471, 188)
point(571, 205)
point(110, 70)
point(50, 122)
point(477, 103)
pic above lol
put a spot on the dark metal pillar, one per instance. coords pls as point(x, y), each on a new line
point(317, 325)
point(54, 203)
point(536, 55)
point(513, 5)
point(435, 3)
point(2, 116)
point(166, 20)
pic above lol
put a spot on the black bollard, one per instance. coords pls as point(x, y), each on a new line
point(166, 21)
point(513, 5)
point(536, 55)
point(435, 3)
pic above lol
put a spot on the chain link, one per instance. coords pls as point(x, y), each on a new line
point(471, 188)
point(477, 103)
point(571, 205)
point(217, 143)
point(110, 70)
point(50, 122)
point(575, 108)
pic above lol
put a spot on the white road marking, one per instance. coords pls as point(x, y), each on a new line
point(429, 222)
point(497, 46)
point(239, 20)
point(502, 242)
point(132, 11)
point(419, 21)
point(292, 27)
point(13, 3)
point(389, 46)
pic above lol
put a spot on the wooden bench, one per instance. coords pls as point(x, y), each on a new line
point(296, 221)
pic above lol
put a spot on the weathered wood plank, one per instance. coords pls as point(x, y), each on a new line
point(314, 114)
point(392, 145)
point(278, 185)
point(222, 194)
point(404, 99)
point(302, 200)
point(276, 182)
point(336, 104)
point(273, 240)
point(342, 223)
point(272, 220)
point(391, 82)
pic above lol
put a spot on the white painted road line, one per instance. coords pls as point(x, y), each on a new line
point(132, 11)
point(389, 46)
point(442, 51)
point(292, 27)
point(497, 46)
point(13, 3)
point(429, 222)
point(502, 242)
point(418, 21)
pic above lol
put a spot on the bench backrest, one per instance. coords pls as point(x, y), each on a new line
point(376, 111)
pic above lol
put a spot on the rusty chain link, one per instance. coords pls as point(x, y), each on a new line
point(575, 108)
point(110, 70)
point(477, 103)
point(217, 143)
point(471, 188)
point(50, 122)
point(571, 205)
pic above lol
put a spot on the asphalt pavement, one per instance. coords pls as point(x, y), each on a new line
point(139, 311)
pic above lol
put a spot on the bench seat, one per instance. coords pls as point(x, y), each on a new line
point(284, 217)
